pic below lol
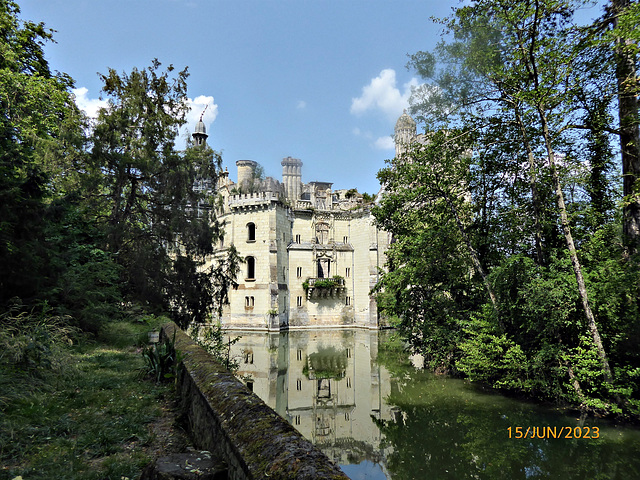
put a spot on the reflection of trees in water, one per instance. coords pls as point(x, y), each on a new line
point(443, 429)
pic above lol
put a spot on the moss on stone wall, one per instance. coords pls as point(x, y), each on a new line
point(234, 423)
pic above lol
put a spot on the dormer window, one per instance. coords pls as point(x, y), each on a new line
point(251, 232)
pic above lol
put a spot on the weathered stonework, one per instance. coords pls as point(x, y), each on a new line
point(231, 422)
point(292, 232)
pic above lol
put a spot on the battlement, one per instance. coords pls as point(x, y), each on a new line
point(251, 199)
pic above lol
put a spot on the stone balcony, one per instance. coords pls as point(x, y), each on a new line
point(331, 287)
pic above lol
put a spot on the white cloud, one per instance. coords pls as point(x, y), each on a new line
point(301, 104)
point(90, 106)
point(197, 106)
point(200, 104)
point(383, 95)
point(381, 143)
point(384, 143)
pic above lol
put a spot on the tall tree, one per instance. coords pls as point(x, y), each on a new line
point(534, 91)
point(157, 225)
point(436, 275)
point(625, 16)
point(36, 106)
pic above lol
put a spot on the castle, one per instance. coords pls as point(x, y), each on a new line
point(312, 254)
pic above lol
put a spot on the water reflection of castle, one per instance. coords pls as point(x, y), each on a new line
point(325, 383)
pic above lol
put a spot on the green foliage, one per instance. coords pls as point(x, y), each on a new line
point(506, 234)
point(368, 198)
point(162, 360)
point(37, 107)
point(34, 342)
point(211, 338)
point(89, 421)
point(326, 363)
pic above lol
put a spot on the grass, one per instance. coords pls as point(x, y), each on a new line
point(88, 419)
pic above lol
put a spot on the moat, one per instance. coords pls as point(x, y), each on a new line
point(367, 408)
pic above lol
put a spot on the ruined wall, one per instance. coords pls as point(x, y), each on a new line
point(231, 422)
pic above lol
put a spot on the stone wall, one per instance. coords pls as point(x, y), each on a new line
point(228, 420)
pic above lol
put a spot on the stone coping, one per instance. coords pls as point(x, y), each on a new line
point(233, 423)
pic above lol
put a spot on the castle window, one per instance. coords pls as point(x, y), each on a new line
point(297, 419)
point(251, 232)
point(324, 268)
point(347, 272)
point(299, 354)
point(345, 239)
point(248, 357)
point(251, 268)
point(322, 232)
point(348, 382)
point(249, 302)
point(348, 301)
point(298, 239)
point(250, 385)
point(298, 385)
point(299, 272)
point(299, 301)
point(324, 388)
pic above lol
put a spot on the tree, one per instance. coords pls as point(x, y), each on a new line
point(160, 229)
point(624, 15)
point(526, 84)
point(430, 282)
point(36, 108)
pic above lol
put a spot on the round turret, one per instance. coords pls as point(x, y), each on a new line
point(405, 122)
point(200, 134)
point(246, 169)
point(405, 132)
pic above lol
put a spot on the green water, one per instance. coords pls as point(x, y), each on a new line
point(379, 418)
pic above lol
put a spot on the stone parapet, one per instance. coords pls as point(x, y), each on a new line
point(250, 199)
point(228, 420)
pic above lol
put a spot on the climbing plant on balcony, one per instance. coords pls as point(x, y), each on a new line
point(335, 281)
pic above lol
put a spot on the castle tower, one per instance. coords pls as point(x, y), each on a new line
point(200, 135)
point(292, 177)
point(405, 133)
point(223, 179)
point(246, 168)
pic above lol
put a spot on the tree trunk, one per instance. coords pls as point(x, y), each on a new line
point(535, 198)
point(629, 132)
point(573, 254)
point(474, 255)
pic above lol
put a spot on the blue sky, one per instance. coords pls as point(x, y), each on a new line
point(322, 80)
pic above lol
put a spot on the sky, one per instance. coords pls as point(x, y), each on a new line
point(319, 80)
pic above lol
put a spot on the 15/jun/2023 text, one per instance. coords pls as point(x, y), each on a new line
point(553, 432)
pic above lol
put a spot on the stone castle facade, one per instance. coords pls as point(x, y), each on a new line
point(312, 254)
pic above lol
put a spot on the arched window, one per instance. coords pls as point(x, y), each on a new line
point(251, 232)
point(251, 268)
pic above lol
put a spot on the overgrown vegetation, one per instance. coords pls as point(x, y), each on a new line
point(515, 254)
point(211, 338)
point(73, 407)
point(333, 282)
point(101, 233)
